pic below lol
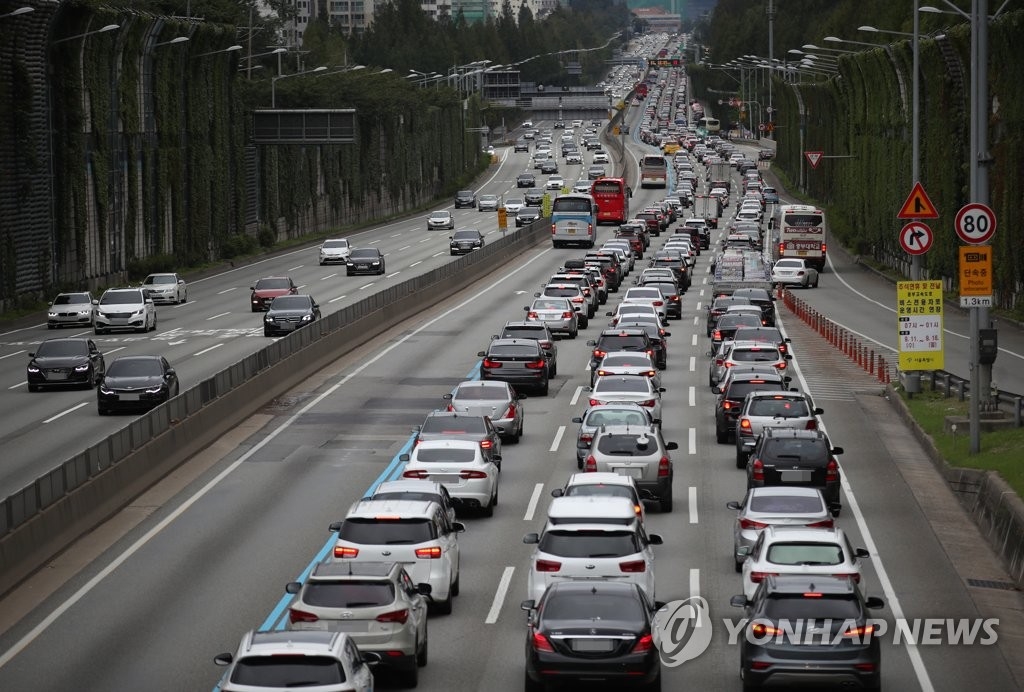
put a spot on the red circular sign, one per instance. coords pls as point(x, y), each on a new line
point(916, 238)
point(975, 223)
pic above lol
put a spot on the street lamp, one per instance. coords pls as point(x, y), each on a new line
point(176, 39)
point(273, 82)
point(811, 46)
point(836, 39)
point(229, 49)
point(104, 29)
point(15, 13)
point(277, 51)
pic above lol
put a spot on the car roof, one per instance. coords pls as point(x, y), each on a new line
point(600, 478)
point(803, 533)
point(409, 485)
point(589, 507)
point(515, 342)
point(331, 568)
point(406, 509)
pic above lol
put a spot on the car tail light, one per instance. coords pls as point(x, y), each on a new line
point(760, 629)
point(399, 616)
point(536, 365)
point(649, 402)
point(812, 424)
point(831, 471)
point(590, 228)
point(301, 616)
point(469, 475)
point(643, 644)
point(716, 335)
point(761, 665)
point(758, 577)
point(674, 299)
point(782, 349)
point(719, 362)
point(781, 365)
point(545, 344)
point(727, 405)
point(577, 299)
point(664, 467)
point(595, 402)
point(633, 566)
point(658, 303)
point(823, 248)
point(416, 473)
point(782, 249)
point(728, 364)
point(552, 229)
point(511, 412)
point(432, 553)
point(751, 524)
point(590, 465)
point(650, 352)
point(587, 439)
point(650, 373)
point(532, 315)
point(541, 643)
point(486, 444)
point(745, 428)
point(345, 551)
point(488, 363)
point(866, 667)
point(757, 470)
point(450, 408)
point(548, 566)
point(600, 354)
point(823, 524)
point(852, 576)
point(567, 314)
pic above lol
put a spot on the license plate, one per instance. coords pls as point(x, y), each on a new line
point(128, 397)
point(592, 645)
point(318, 626)
point(798, 476)
point(571, 231)
point(56, 376)
point(636, 473)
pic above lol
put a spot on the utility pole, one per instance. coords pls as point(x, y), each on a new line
point(771, 51)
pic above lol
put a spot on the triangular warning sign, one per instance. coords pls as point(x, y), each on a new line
point(813, 157)
point(918, 206)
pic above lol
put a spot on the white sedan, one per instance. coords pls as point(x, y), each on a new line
point(632, 389)
point(794, 272)
point(166, 288)
point(555, 182)
point(458, 465)
point(801, 551)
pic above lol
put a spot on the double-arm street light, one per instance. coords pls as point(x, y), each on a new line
point(277, 51)
point(274, 80)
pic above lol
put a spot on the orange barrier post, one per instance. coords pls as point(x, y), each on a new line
point(871, 363)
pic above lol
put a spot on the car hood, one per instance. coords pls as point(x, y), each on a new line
point(132, 382)
point(289, 312)
point(120, 307)
point(334, 251)
point(270, 292)
point(59, 361)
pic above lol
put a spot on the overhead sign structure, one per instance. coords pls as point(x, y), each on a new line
point(918, 205)
point(916, 238)
point(975, 223)
point(976, 277)
point(814, 157)
point(919, 322)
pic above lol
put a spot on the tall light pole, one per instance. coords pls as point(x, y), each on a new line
point(274, 80)
point(15, 13)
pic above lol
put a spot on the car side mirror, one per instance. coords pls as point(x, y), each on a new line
point(448, 396)
point(609, 314)
point(739, 601)
point(170, 372)
point(424, 588)
point(577, 419)
point(531, 539)
point(591, 343)
point(743, 551)
point(837, 450)
point(528, 605)
point(862, 552)
point(734, 505)
point(526, 308)
point(293, 587)
point(223, 659)
point(669, 446)
point(458, 527)
point(335, 527)
point(480, 354)
point(793, 389)
point(819, 411)
point(558, 492)
point(536, 295)
point(655, 539)
point(874, 603)
point(404, 457)
point(32, 355)
point(95, 302)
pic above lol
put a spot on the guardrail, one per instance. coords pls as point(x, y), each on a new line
point(40, 520)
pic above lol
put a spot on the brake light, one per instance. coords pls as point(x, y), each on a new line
point(719, 362)
point(345, 551)
point(548, 566)
point(643, 644)
point(532, 315)
point(812, 594)
point(745, 428)
point(658, 303)
point(758, 577)
point(399, 616)
point(450, 408)
point(536, 365)
point(650, 373)
point(590, 465)
point(853, 576)
point(757, 470)
point(823, 248)
point(577, 299)
point(823, 524)
point(567, 314)
point(633, 566)
point(595, 402)
point(469, 475)
point(301, 616)
point(781, 365)
point(511, 412)
point(727, 405)
point(486, 444)
point(831, 471)
point(812, 424)
point(664, 467)
point(716, 335)
point(760, 665)
point(759, 629)
point(649, 402)
point(488, 363)
point(587, 439)
point(751, 524)
point(541, 643)
point(650, 352)
point(552, 229)
point(433, 553)
point(415, 473)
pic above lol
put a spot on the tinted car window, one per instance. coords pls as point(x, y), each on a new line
point(522, 333)
point(409, 495)
point(391, 532)
point(62, 348)
point(590, 543)
point(779, 407)
point(805, 554)
point(165, 279)
point(121, 297)
point(785, 504)
point(454, 424)
point(134, 368)
point(627, 445)
point(599, 490)
point(290, 303)
point(443, 455)
point(739, 390)
point(797, 607)
point(264, 284)
point(284, 671)
point(365, 254)
point(608, 607)
point(481, 393)
point(623, 343)
point(73, 299)
point(618, 384)
point(466, 235)
point(752, 356)
point(795, 449)
point(348, 594)
point(336, 243)
point(514, 351)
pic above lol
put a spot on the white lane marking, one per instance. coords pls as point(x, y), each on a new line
point(415, 263)
point(207, 350)
point(298, 266)
point(876, 559)
point(20, 384)
point(692, 444)
point(693, 396)
point(329, 276)
point(365, 286)
point(425, 240)
point(301, 286)
point(499, 596)
point(403, 248)
point(374, 242)
point(114, 350)
point(693, 363)
point(143, 540)
point(335, 300)
point(227, 290)
point(695, 589)
point(698, 308)
point(392, 274)
point(216, 316)
point(693, 342)
point(576, 396)
point(12, 354)
point(696, 319)
point(558, 439)
point(172, 343)
point(692, 502)
point(531, 506)
point(437, 254)
point(395, 235)
point(64, 413)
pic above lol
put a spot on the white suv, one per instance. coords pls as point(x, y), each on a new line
point(415, 533)
point(124, 308)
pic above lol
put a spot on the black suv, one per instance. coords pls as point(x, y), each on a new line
point(519, 362)
point(537, 331)
point(798, 458)
point(824, 634)
point(465, 198)
point(730, 399)
point(526, 180)
point(718, 308)
point(762, 299)
point(627, 339)
point(612, 268)
point(673, 260)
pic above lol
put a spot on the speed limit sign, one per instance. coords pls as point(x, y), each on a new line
point(975, 223)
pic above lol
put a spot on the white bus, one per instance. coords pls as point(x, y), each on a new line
point(802, 234)
point(708, 126)
point(653, 171)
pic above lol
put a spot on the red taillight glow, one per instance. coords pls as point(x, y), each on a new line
point(600, 354)
point(301, 616)
point(760, 629)
point(540, 642)
point(532, 315)
point(758, 577)
point(716, 335)
point(812, 424)
point(757, 470)
point(468, 475)
point(488, 363)
point(751, 524)
point(433, 553)
point(552, 229)
point(823, 524)
point(548, 566)
point(633, 566)
point(664, 467)
point(590, 465)
point(345, 551)
point(595, 402)
point(853, 576)
point(727, 405)
point(486, 444)
point(399, 616)
point(648, 403)
point(586, 439)
point(658, 303)
point(511, 412)
point(567, 314)
point(643, 644)
point(415, 473)
point(745, 428)
point(536, 365)
point(831, 471)
point(781, 365)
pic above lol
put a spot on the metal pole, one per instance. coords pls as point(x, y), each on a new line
point(915, 156)
point(771, 48)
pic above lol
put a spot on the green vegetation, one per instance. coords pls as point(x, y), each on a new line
point(1001, 451)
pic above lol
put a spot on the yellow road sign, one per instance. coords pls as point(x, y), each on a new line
point(502, 218)
point(976, 270)
point(919, 323)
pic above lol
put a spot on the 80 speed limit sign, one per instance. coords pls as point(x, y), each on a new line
point(975, 223)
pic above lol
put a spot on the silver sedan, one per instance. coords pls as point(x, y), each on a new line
point(557, 313)
point(492, 398)
point(636, 389)
point(627, 363)
point(794, 272)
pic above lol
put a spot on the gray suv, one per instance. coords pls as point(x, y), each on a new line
point(636, 451)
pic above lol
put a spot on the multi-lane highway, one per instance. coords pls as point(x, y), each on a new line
point(211, 561)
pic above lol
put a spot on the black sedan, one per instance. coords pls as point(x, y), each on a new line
point(288, 313)
point(367, 260)
point(592, 631)
point(136, 382)
point(62, 362)
point(464, 242)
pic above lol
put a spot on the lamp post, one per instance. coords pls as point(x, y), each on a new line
point(274, 80)
point(19, 11)
point(250, 67)
point(101, 30)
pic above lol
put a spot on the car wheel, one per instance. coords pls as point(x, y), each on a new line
point(410, 678)
point(545, 388)
point(654, 685)
point(574, 333)
point(721, 436)
point(579, 464)
point(816, 279)
point(488, 511)
point(153, 328)
point(457, 584)
point(421, 654)
point(445, 607)
point(741, 460)
point(738, 566)
point(666, 502)
point(584, 322)
point(531, 685)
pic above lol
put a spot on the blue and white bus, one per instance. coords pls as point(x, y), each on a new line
point(573, 220)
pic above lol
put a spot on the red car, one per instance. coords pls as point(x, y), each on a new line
point(268, 288)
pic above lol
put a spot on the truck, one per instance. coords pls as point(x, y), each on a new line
point(738, 268)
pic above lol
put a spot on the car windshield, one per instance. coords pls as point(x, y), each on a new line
point(602, 416)
point(514, 202)
point(372, 531)
point(453, 456)
point(785, 504)
point(600, 490)
point(481, 392)
point(50, 349)
point(779, 407)
point(589, 544)
point(121, 298)
point(798, 607)
point(290, 303)
point(135, 367)
point(439, 215)
point(630, 361)
point(160, 279)
point(365, 254)
point(805, 554)
point(593, 607)
point(271, 284)
point(335, 243)
point(454, 424)
point(467, 235)
point(287, 671)
point(71, 299)
point(551, 305)
point(348, 594)
point(488, 198)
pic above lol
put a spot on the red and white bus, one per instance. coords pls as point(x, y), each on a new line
point(612, 198)
point(802, 234)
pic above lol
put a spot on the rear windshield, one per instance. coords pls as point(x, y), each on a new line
point(571, 204)
point(805, 554)
point(600, 490)
point(795, 450)
point(627, 445)
point(762, 334)
point(562, 292)
point(739, 390)
point(623, 343)
point(723, 302)
point(617, 607)
point(287, 671)
point(454, 424)
point(754, 355)
point(797, 607)
point(550, 305)
point(62, 348)
point(622, 384)
point(734, 321)
point(454, 456)
point(599, 417)
point(779, 407)
point(514, 351)
point(626, 362)
point(523, 333)
point(413, 495)
point(481, 393)
point(349, 594)
point(592, 544)
point(386, 531)
point(785, 504)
